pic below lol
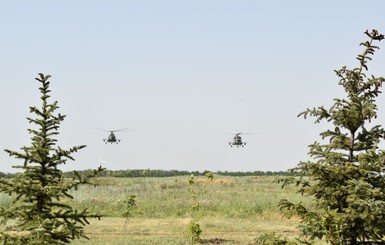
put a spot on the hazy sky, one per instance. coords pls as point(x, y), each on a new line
point(184, 74)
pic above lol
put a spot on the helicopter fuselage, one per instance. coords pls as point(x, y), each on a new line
point(237, 141)
point(111, 139)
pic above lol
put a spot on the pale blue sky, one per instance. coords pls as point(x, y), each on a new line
point(184, 74)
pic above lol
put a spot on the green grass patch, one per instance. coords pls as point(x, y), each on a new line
point(236, 209)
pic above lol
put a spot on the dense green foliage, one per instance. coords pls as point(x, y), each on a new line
point(38, 213)
point(347, 176)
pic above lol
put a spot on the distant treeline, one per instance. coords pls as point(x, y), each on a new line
point(136, 173)
point(6, 175)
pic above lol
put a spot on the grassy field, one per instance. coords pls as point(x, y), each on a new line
point(235, 209)
point(112, 230)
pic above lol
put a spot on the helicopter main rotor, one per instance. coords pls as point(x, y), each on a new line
point(115, 130)
point(240, 133)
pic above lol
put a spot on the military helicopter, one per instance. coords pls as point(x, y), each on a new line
point(237, 141)
point(111, 137)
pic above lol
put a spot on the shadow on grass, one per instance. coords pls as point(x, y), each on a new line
point(214, 241)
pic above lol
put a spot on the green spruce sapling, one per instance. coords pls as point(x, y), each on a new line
point(38, 214)
point(346, 179)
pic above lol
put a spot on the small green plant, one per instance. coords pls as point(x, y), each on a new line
point(194, 229)
point(129, 204)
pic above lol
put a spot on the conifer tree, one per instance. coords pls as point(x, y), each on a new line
point(346, 177)
point(38, 214)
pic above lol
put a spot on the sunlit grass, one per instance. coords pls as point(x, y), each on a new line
point(169, 231)
point(236, 209)
point(169, 197)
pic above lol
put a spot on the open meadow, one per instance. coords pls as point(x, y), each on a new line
point(235, 209)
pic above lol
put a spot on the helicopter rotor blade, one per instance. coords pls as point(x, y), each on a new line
point(105, 130)
point(240, 133)
point(116, 130)
point(123, 129)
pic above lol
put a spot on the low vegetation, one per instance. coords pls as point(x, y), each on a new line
point(236, 209)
